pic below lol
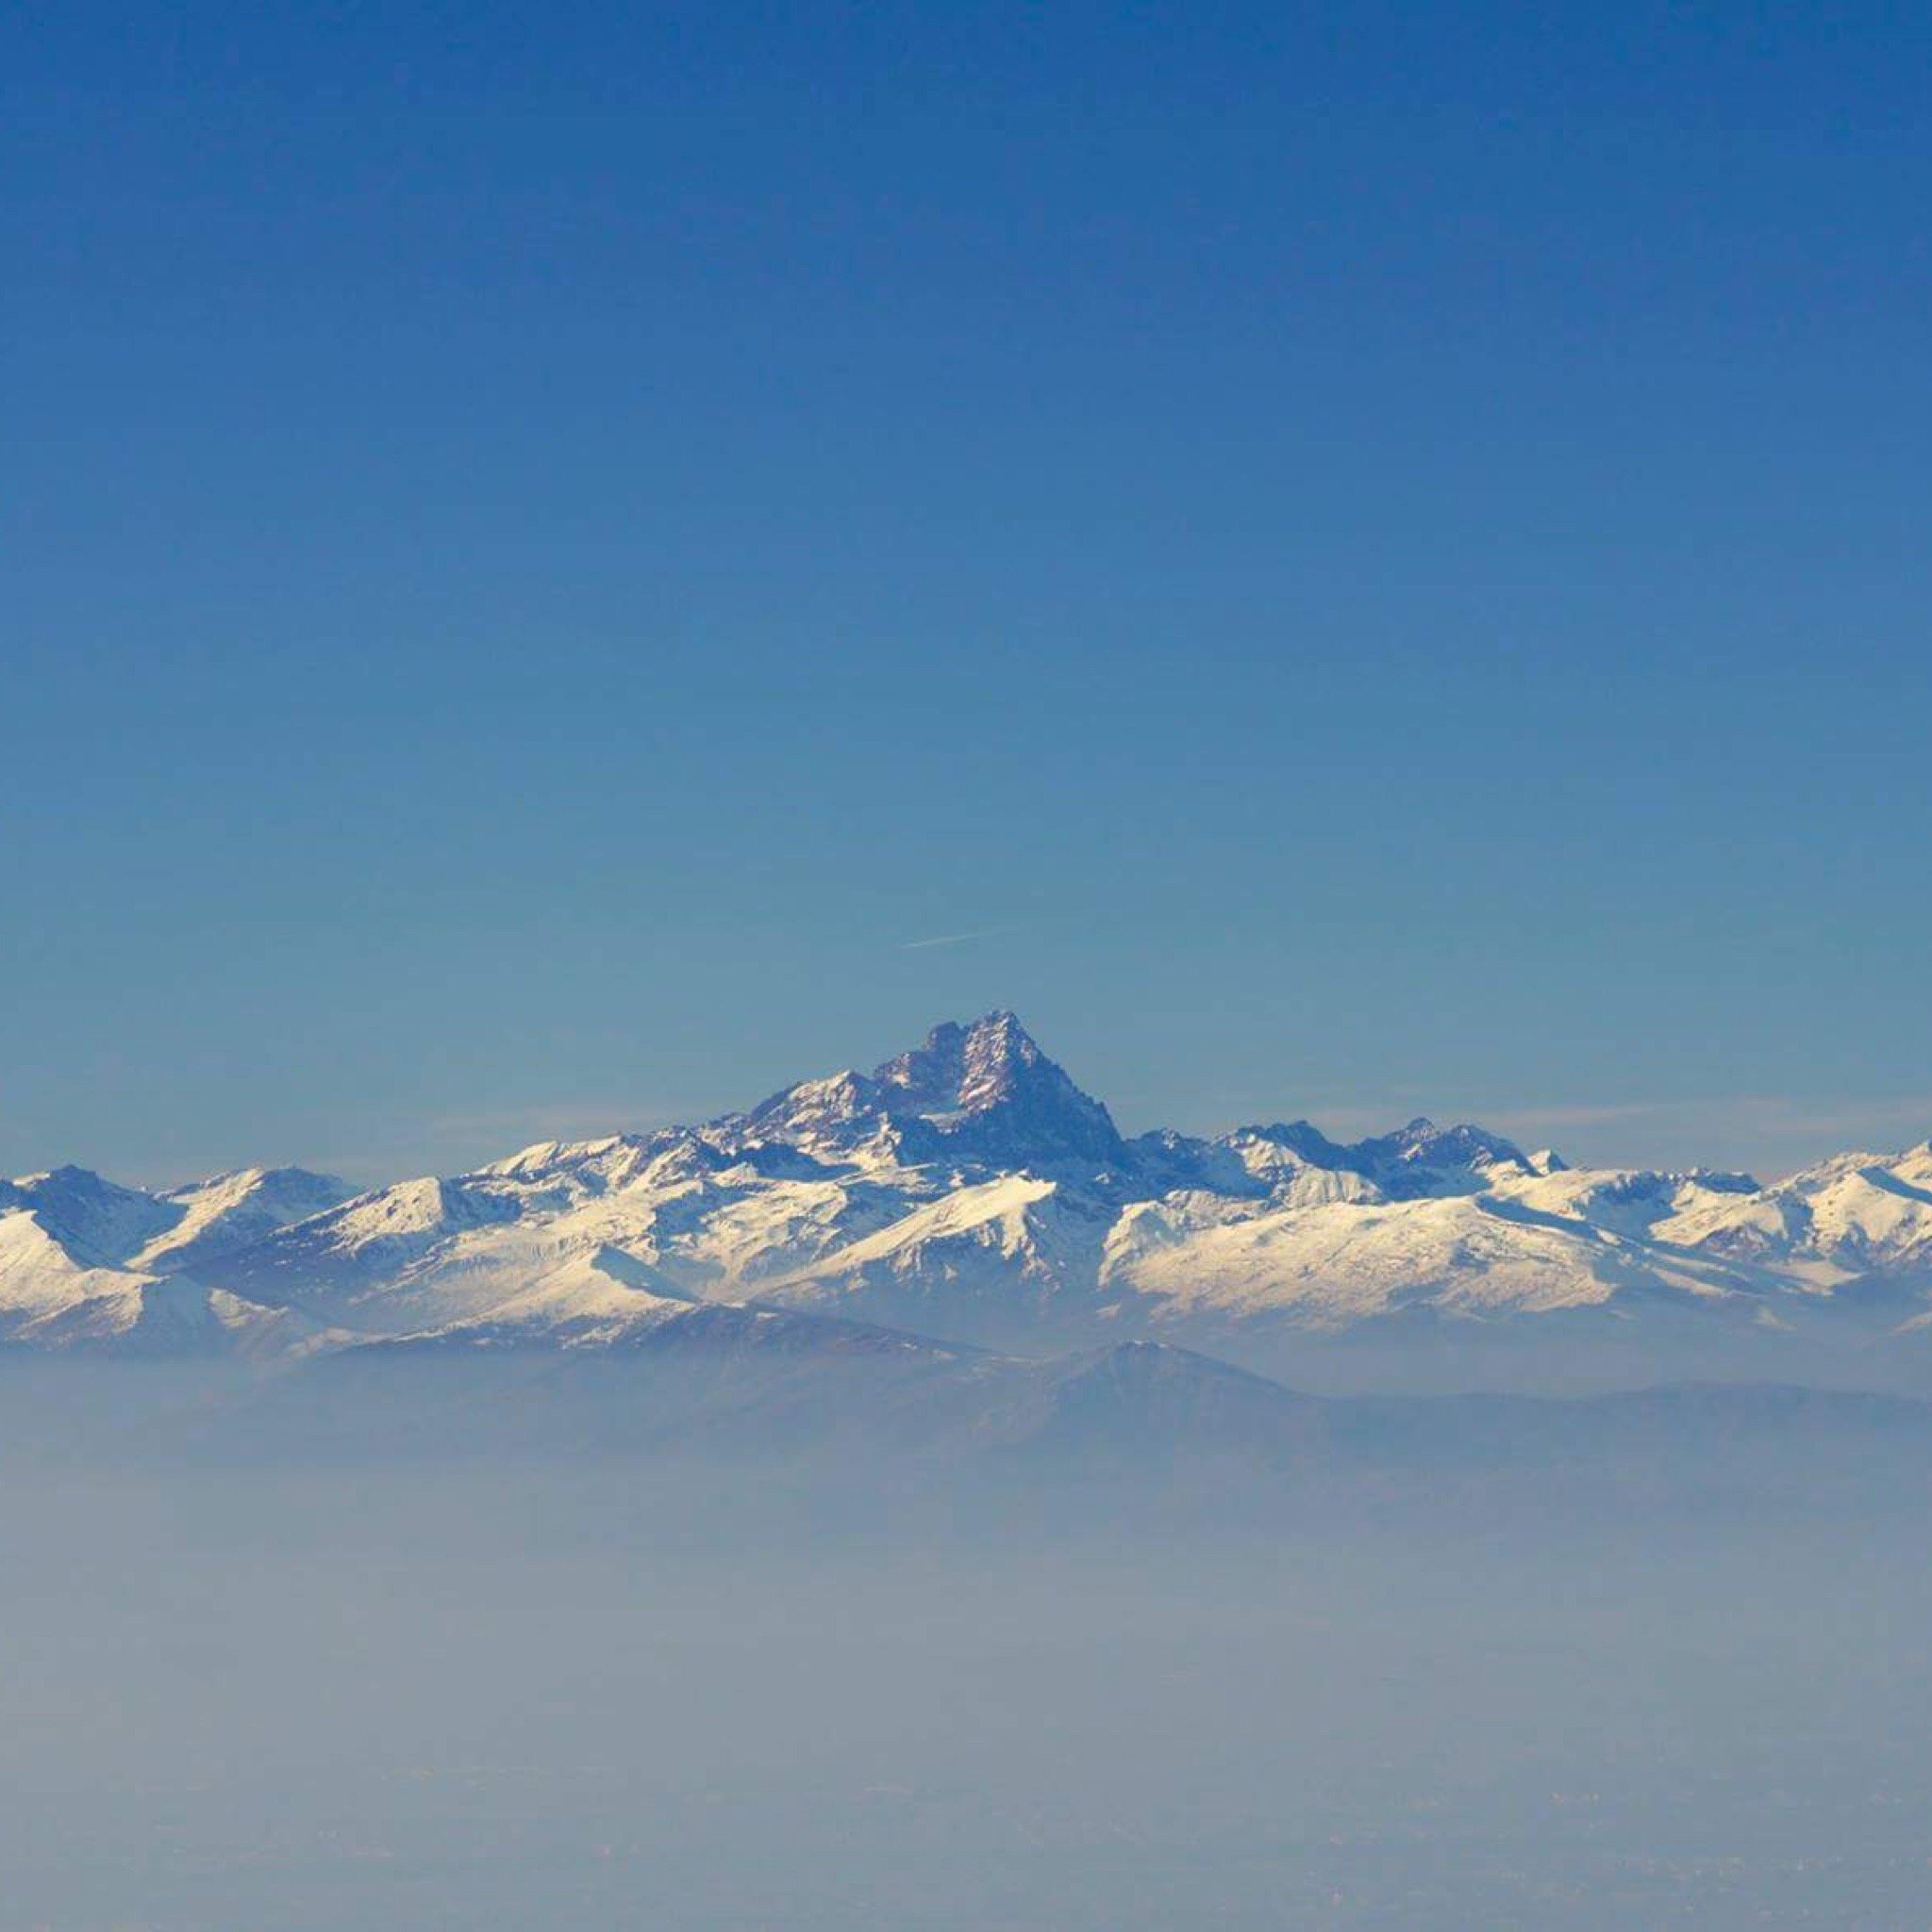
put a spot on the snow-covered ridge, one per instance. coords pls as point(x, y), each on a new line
point(86, 1261)
point(968, 1189)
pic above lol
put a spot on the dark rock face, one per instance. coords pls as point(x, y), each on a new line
point(1415, 1157)
point(990, 1093)
point(983, 1093)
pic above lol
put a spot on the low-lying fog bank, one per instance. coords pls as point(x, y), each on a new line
point(415, 1656)
point(292, 1701)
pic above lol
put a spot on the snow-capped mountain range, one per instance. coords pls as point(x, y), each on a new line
point(968, 1190)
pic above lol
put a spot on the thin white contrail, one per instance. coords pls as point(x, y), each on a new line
point(947, 939)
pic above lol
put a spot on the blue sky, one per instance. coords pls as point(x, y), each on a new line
point(1374, 560)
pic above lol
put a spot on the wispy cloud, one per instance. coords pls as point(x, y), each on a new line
point(949, 939)
point(1768, 1113)
point(1768, 1134)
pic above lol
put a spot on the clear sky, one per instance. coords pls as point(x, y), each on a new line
point(567, 565)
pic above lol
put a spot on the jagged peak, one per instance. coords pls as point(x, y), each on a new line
point(966, 1068)
point(981, 1090)
point(238, 1182)
point(1723, 1180)
point(69, 1179)
point(1463, 1143)
point(988, 1086)
point(1302, 1138)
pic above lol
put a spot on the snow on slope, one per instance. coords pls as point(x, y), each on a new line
point(672, 1215)
point(1852, 1216)
point(87, 1262)
point(113, 1225)
point(968, 1189)
point(49, 1299)
point(97, 1221)
point(233, 1211)
point(992, 1260)
point(42, 1283)
point(1340, 1262)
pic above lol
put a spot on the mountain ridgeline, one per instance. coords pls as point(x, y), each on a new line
point(968, 1193)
